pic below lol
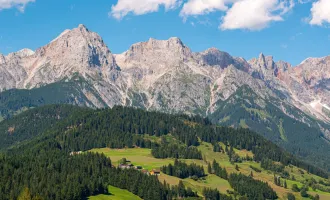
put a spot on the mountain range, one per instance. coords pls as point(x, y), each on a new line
point(289, 105)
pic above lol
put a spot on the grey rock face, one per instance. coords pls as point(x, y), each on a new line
point(77, 51)
point(166, 75)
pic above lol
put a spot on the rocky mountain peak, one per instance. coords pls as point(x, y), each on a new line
point(161, 70)
point(164, 51)
point(20, 54)
point(82, 27)
point(315, 61)
point(25, 52)
point(261, 58)
point(314, 72)
point(2, 59)
point(213, 50)
point(215, 57)
point(265, 61)
point(78, 47)
point(171, 43)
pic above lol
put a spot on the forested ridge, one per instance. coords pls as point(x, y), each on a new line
point(119, 127)
point(44, 166)
point(34, 122)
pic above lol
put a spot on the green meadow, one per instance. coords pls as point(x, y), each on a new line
point(115, 194)
point(142, 157)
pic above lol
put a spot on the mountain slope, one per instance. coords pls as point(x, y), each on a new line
point(33, 123)
point(75, 91)
point(248, 110)
point(165, 75)
point(52, 167)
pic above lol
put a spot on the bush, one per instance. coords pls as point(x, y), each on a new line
point(303, 192)
point(291, 196)
point(295, 188)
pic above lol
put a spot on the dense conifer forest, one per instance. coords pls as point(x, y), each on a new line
point(183, 170)
point(253, 189)
point(43, 164)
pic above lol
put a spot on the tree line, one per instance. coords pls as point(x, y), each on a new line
point(50, 173)
point(183, 170)
point(253, 189)
point(168, 150)
point(44, 166)
point(115, 128)
point(216, 169)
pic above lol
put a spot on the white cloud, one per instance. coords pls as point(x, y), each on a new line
point(19, 4)
point(255, 14)
point(201, 7)
point(320, 12)
point(140, 7)
point(238, 14)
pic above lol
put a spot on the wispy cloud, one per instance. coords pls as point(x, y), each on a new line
point(19, 4)
point(140, 7)
point(72, 7)
point(294, 37)
point(202, 7)
point(250, 15)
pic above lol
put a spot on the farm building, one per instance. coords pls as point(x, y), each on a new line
point(145, 171)
point(126, 166)
point(75, 153)
point(155, 172)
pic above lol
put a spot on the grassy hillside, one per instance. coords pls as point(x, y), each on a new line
point(243, 109)
point(142, 157)
point(115, 194)
point(50, 164)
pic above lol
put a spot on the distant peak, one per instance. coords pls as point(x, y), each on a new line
point(171, 43)
point(175, 39)
point(63, 33)
point(306, 60)
point(24, 52)
point(2, 59)
point(172, 40)
point(315, 60)
point(212, 50)
point(82, 27)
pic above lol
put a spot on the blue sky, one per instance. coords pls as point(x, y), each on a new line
point(290, 30)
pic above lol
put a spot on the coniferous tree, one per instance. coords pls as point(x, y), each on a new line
point(303, 192)
point(253, 189)
point(316, 197)
point(290, 196)
point(209, 168)
point(183, 170)
point(295, 188)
